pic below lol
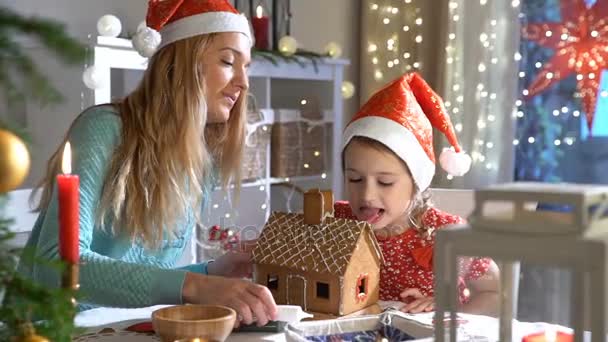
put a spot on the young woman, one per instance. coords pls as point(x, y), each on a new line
point(147, 162)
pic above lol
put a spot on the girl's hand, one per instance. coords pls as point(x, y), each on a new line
point(420, 303)
point(252, 302)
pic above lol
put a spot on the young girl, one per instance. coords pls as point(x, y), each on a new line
point(146, 161)
point(389, 164)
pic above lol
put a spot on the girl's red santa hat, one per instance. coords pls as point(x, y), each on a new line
point(402, 116)
point(172, 20)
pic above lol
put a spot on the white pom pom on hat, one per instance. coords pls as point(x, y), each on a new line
point(454, 163)
point(146, 41)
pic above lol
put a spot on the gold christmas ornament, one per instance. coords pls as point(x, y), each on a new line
point(14, 161)
point(348, 89)
point(288, 45)
point(33, 338)
point(29, 334)
point(334, 50)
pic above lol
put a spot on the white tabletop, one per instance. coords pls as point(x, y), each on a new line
point(96, 320)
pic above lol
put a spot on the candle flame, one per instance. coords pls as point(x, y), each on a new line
point(66, 163)
point(259, 11)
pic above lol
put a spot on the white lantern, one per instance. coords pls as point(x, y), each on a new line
point(512, 223)
point(288, 45)
point(348, 89)
point(333, 49)
point(109, 26)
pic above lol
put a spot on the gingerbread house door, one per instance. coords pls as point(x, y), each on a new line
point(296, 291)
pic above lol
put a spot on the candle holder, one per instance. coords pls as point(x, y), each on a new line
point(70, 277)
point(70, 282)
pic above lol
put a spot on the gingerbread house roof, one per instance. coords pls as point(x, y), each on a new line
point(287, 241)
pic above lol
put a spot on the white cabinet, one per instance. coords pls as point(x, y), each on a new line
point(281, 85)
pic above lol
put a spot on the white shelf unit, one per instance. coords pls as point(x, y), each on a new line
point(270, 84)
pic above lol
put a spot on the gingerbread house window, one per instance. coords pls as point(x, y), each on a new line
point(272, 282)
point(361, 289)
point(322, 290)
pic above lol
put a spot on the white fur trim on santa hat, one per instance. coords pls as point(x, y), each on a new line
point(209, 22)
point(454, 163)
point(400, 140)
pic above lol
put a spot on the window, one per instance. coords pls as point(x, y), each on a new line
point(362, 286)
point(361, 290)
point(322, 290)
point(272, 282)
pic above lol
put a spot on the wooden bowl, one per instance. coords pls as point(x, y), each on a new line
point(211, 323)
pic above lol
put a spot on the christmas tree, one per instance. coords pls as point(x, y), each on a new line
point(23, 300)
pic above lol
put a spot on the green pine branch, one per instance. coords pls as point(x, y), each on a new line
point(50, 33)
point(22, 299)
point(20, 79)
point(51, 309)
point(300, 57)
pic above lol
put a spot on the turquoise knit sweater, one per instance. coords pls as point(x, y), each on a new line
point(114, 271)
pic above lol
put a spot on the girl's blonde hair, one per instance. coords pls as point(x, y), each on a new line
point(420, 201)
point(169, 156)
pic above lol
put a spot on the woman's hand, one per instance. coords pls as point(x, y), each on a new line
point(420, 302)
point(252, 302)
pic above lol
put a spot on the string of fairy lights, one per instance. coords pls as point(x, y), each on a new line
point(386, 54)
point(398, 49)
point(485, 93)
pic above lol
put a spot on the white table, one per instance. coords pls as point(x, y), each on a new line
point(97, 319)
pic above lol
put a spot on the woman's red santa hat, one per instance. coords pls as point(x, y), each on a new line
point(402, 116)
point(172, 20)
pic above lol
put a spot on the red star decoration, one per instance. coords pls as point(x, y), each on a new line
point(580, 42)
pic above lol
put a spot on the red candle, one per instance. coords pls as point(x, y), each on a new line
point(68, 188)
point(260, 25)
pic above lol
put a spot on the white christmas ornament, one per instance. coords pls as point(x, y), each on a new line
point(109, 26)
point(92, 78)
point(333, 49)
point(454, 163)
point(348, 89)
point(146, 41)
point(288, 45)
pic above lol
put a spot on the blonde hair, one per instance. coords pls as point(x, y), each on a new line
point(420, 201)
point(169, 155)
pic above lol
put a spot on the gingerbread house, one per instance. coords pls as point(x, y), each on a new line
point(326, 265)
